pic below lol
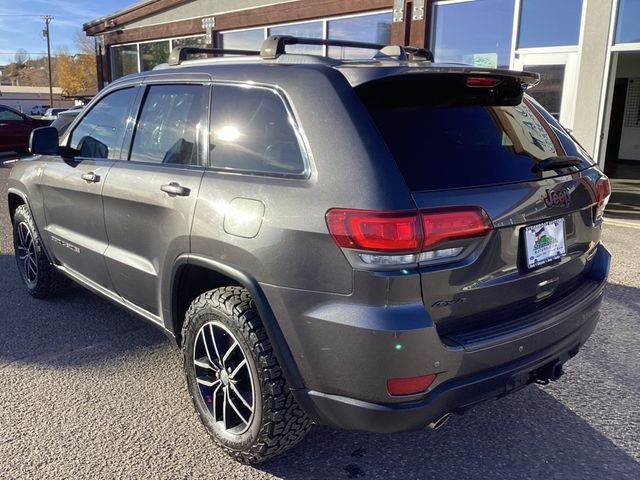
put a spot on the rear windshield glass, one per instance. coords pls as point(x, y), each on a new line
point(440, 143)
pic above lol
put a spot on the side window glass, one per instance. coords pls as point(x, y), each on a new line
point(167, 130)
point(6, 114)
point(252, 131)
point(99, 133)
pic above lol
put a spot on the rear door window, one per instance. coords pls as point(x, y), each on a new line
point(167, 130)
point(440, 142)
point(253, 131)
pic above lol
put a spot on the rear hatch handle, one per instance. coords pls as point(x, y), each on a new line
point(552, 163)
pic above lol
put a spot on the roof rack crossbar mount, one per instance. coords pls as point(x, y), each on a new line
point(179, 54)
point(275, 45)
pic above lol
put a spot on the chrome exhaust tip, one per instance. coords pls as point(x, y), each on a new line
point(436, 424)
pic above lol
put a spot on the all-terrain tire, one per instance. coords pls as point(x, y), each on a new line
point(277, 422)
point(40, 278)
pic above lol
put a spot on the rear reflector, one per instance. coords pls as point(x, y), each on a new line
point(411, 385)
point(405, 231)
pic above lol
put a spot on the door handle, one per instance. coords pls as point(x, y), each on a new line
point(174, 188)
point(3, 124)
point(91, 177)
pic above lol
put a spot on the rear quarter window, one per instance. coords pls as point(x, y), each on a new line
point(253, 131)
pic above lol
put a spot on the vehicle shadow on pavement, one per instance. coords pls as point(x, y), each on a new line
point(54, 331)
point(526, 435)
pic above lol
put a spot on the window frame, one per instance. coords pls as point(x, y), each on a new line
point(66, 140)
point(303, 144)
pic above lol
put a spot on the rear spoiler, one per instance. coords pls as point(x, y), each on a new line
point(442, 85)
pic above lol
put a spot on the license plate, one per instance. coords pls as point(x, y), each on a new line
point(545, 242)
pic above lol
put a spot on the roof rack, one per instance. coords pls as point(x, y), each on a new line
point(275, 45)
point(179, 54)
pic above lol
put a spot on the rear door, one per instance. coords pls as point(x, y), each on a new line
point(72, 187)
point(150, 197)
point(478, 148)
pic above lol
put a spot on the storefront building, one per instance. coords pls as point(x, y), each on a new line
point(587, 51)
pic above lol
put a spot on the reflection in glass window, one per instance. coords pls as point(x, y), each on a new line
point(99, 133)
point(374, 28)
point(124, 60)
point(304, 30)
point(244, 40)
point(477, 32)
point(154, 53)
point(549, 91)
point(251, 131)
point(548, 23)
point(167, 131)
point(628, 29)
point(200, 41)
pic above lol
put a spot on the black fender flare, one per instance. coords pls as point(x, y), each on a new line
point(271, 325)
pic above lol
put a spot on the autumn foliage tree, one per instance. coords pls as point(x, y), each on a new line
point(77, 72)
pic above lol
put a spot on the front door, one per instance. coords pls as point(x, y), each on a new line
point(150, 199)
point(556, 91)
point(72, 188)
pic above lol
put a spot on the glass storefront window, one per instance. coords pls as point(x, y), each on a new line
point(549, 23)
point(374, 28)
point(628, 27)
point(124, 60)
point(477, 32)
point(244, 40)
point(549, 91)
point(200, 41)
point(153, 54)
point(305, 30)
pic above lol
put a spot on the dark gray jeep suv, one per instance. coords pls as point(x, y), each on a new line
point(369, 244)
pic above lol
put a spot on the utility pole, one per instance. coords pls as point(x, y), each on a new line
point(47, 19)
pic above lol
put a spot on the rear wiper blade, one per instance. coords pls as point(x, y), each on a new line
point(552, 163)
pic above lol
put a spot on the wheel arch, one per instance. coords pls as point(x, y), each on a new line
point(15, 198)
point(220, 275)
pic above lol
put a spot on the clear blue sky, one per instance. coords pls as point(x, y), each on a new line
point(26, 32)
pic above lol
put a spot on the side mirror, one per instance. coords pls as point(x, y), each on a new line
point(44, 141)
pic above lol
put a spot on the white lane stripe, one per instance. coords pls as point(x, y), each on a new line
point(621, 223)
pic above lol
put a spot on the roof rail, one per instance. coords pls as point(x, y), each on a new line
point(275, 45)
point(179, 54)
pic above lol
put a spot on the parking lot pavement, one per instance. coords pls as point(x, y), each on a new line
point(88, 391)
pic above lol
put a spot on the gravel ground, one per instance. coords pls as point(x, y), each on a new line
point(88, 391)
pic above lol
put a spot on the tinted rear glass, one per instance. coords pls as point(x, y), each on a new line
point(441, 142)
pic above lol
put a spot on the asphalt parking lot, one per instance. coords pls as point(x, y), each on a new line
point(88, 391)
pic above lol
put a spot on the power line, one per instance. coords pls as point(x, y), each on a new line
point(19, 15)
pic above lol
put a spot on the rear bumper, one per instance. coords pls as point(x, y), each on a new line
point(559, 340)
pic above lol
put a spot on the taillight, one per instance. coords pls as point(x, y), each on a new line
point(375, 230)
point(603, 192)
point(452, 223)
point(411, 235)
